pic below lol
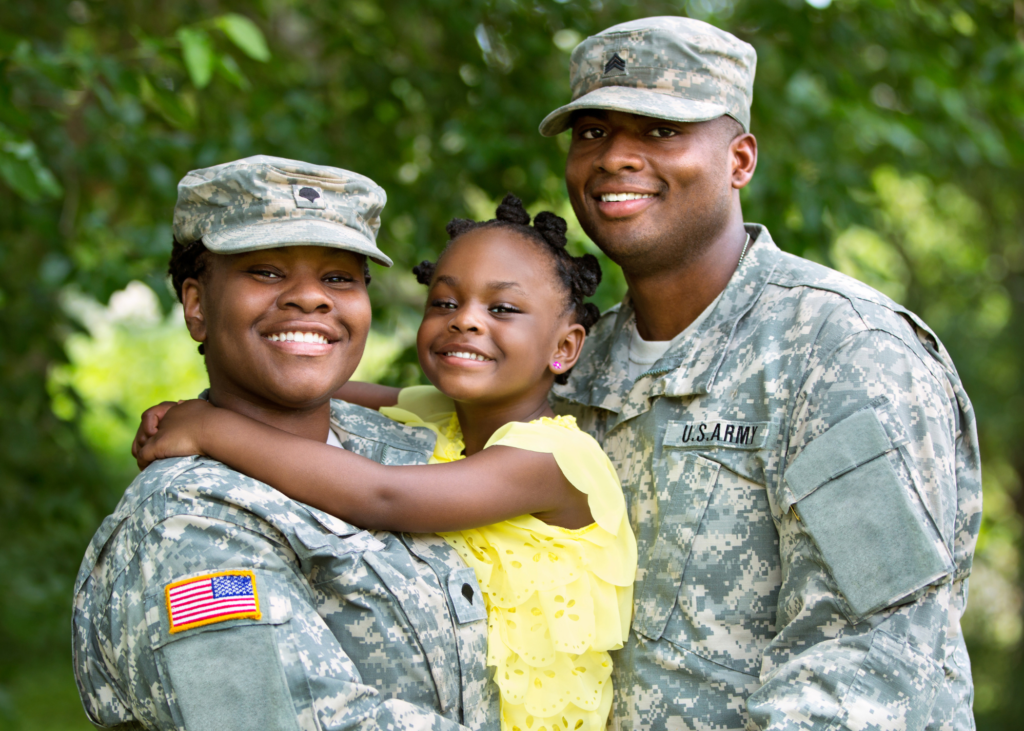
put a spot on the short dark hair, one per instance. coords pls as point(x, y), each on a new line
point(188, 261)
point(578, 275)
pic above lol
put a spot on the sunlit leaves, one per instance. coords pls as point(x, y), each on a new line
point(202, 58)
point(197, 50)
point(178, 109)
point(23, 170)
point(245, 34)
point(862, 253)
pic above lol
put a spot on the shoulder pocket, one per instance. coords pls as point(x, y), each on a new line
point(879, 547)
point(224, 674)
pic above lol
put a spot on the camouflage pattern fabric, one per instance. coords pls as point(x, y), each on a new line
point(802, 474)
point(679, 69)
point(358, 630)
point(262, 202)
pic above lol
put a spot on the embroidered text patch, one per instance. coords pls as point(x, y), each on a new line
point(717, 433)
point(212, 598)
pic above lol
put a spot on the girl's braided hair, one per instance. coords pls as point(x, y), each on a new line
point(578, 275)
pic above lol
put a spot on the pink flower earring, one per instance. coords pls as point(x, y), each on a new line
point(556, 365)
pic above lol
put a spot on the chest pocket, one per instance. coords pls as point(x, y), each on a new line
point(684, 482)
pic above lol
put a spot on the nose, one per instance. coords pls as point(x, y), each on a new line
point(622, 152)
point(466, 319)
point(306, 292)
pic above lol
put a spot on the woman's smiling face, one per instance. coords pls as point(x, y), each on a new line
point(282, 328)
point(495, 319)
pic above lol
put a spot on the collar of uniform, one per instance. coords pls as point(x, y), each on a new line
point(601, 377)
point(370, 424)
point(691, 365)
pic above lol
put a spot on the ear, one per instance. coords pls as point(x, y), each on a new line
point(569, 348)
point(743, 159)
point(192, 303)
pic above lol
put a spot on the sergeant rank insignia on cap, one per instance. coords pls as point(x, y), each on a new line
point(212, 598)
point(615, 63)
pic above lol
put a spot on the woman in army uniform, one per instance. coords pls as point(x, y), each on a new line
point(211, 601)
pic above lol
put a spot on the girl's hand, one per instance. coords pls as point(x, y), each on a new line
point(147, 429)
point(179, 431)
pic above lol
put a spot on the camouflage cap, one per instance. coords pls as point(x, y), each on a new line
point(678, 69)
point(264, 202)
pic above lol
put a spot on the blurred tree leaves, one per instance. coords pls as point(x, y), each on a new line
point(891, 138)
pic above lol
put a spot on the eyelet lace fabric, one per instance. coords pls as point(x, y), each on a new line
point(557, 599)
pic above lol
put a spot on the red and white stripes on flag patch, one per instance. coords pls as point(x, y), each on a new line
point(212, 598)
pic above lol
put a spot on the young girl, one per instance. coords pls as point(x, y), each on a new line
point(555, 556)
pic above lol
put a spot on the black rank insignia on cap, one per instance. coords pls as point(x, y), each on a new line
point(309, 196)
point(615, 63)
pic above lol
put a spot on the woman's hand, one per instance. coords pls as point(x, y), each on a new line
point(178, 432)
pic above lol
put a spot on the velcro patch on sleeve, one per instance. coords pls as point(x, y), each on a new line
point(212, 598)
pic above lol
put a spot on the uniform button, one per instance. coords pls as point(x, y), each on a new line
point(467, 591)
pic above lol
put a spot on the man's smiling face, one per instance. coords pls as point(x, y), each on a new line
point(651, 193)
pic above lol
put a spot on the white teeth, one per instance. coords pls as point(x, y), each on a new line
point(467, 356)
point(616, 197)
point(298, 337)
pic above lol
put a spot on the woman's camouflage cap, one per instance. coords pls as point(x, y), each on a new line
point(263, 202)
point(679, 69)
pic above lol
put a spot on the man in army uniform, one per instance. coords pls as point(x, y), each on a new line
point(209, 600)
point(799, 457)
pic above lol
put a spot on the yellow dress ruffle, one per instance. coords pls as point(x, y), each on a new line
point(557, 599)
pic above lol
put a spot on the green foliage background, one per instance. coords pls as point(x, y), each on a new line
point(891, 146)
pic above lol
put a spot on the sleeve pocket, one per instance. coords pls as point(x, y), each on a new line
point(230, 680)
point(226, 675)
point(861, 517)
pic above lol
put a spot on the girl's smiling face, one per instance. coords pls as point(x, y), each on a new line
point(496, 320)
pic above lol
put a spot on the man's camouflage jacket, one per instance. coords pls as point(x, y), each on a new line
point(802, 474)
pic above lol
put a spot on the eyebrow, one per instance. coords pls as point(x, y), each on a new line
point(495, 285)
point(506, 285)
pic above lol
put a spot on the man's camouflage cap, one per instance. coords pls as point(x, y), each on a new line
point(264, 202)
point(679, 69)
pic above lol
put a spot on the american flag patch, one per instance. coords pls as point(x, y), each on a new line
point(212, 598)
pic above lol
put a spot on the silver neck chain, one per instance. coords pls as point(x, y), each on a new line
point(744, 252)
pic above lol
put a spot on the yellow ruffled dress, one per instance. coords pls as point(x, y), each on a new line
point(557, 599)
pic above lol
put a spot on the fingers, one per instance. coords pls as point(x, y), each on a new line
point(142, 459)
point(150, 424)
point(151, 417)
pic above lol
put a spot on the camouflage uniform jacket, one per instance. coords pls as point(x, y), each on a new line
point(357, 630)
point(803, 478)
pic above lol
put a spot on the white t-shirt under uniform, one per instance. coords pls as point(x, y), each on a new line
point(643, 354)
